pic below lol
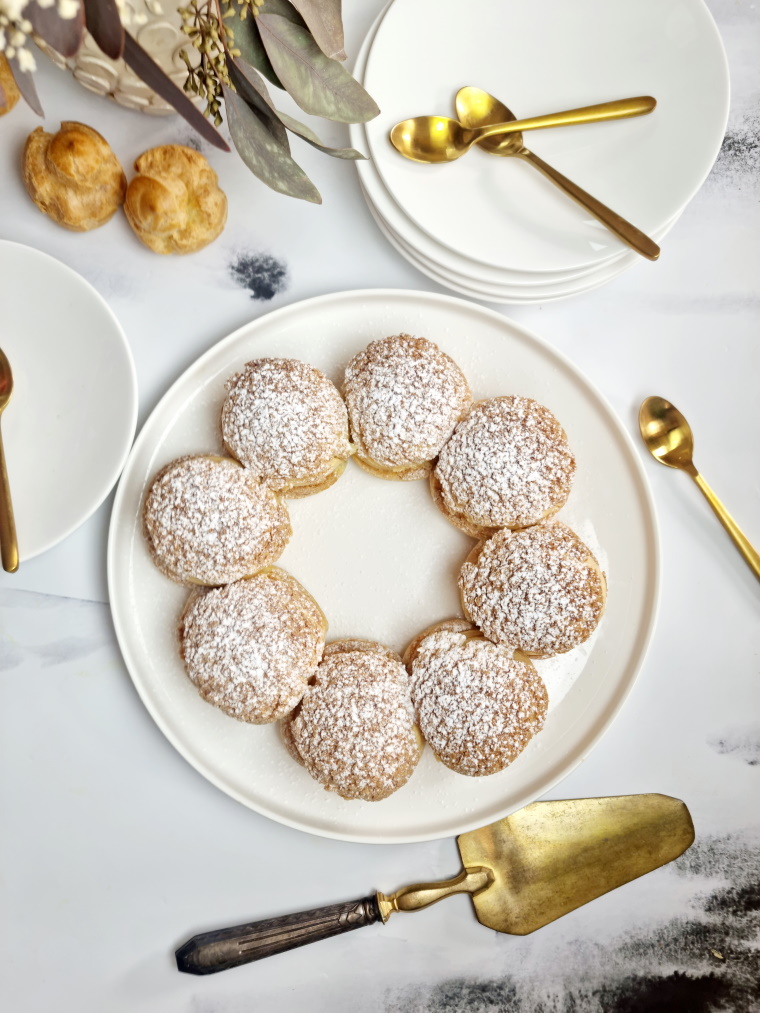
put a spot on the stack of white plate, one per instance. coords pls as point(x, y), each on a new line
point(494, 228)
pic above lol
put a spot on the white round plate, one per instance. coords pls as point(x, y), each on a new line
point(541, 58)
point(505, 293)
point(382, 562)
point(71, 418)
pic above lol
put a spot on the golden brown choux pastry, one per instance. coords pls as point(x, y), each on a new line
point(73, 176)
point(10, 94)
point(354, 728)
point(478, 704)
point(404, 398)
point(207, 520)
point(539, 590)
point(252, 646)
point(283, 419)
point(174, 204)
point(508, 465)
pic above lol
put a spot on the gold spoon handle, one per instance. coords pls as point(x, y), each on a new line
point(619, 109)
point(629, 234)
point(742, 543)
point(8, 543)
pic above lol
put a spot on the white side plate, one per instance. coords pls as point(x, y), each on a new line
point(72, 415)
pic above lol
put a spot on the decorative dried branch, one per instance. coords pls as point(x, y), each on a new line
point(148, 70)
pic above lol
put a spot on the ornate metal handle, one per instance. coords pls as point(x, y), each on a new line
point(210, 952)
point(420, 895)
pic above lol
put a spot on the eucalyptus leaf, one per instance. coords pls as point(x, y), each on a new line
point(104, 24)
point(318, 84)
point(248, 41)
point(263, 154)
point(63, 34)
point(25, 84)
point(254, 92)
point(250, 85)
point(324, 21)
point(308, 135)
point(146, 68)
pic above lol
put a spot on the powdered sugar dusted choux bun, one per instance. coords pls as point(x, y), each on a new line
point(354, 729)
point(539, 590)
point(404, 397)
point(251, 647)
point(507, 465)
point(286, 422)
point(209, 521)
point(478, 704)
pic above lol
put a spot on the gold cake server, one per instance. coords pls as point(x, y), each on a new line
point(521, 872)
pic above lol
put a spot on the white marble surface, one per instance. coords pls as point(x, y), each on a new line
point(113, 850)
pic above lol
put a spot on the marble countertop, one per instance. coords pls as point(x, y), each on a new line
point(114, 850)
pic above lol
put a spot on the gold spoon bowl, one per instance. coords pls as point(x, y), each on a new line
point(669, 440)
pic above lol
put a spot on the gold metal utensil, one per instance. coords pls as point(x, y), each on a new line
point(669, 440)
point(433, 139)
point(521, 873)
point(8, 543)
point(476, 108)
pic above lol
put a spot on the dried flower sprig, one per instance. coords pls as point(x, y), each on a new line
point(203, 28)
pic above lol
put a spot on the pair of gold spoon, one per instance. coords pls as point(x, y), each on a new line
point(485, 121)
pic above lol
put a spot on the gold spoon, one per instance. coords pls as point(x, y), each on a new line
point(668, 437)
point(8, 543)
point(434, 139)
point(476, 108)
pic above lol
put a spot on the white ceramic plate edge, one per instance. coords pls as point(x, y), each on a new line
point(554, 293)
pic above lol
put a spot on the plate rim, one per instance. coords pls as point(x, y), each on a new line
point(494, 316)
point(595, 280)
point(115, 473)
